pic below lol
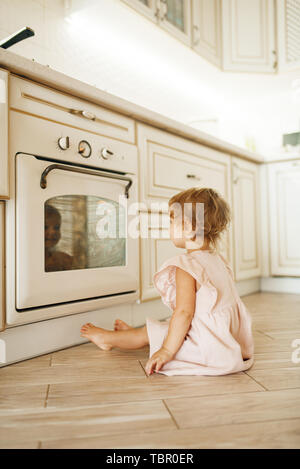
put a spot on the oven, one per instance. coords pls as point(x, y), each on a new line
point(74, 196)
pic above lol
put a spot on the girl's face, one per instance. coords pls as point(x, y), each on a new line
point(177, 233)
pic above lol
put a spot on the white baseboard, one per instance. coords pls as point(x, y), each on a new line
point(251, 285)
point(280, 284)
point(39, 338)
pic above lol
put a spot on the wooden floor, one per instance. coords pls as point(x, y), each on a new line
point(85, 398)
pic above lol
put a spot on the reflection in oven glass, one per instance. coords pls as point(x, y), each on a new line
point(84, 232)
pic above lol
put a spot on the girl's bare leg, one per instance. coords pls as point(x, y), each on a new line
point(134, 338)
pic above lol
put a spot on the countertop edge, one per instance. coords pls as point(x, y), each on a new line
point(47, 76)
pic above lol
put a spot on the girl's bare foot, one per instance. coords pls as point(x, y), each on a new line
point(121, 325)
point(96, 335)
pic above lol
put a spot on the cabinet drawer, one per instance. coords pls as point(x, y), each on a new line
point(54, 105)
point(173, 170)
point(2, 267)
point(170, 164)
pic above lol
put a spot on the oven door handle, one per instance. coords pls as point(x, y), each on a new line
point(43, 182)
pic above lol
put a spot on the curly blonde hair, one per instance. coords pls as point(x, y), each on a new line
point(216, 211)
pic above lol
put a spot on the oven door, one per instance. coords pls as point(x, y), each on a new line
point(71, 233)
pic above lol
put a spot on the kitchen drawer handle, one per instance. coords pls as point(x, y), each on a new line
point(85, 114)
point(43, 182)
point(193, 176)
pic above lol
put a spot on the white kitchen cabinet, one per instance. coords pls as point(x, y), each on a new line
point(2, 266)
point(284, 196)
point(246, 219)
point(249, 35)
point(206, 28)
point(168, 165)
point(4, 185)
point(288, 34)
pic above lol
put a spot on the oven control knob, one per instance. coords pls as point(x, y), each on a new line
point(84, 149)
point(106, 154)
point(64, 143)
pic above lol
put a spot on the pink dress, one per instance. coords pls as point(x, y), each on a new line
point(219, 340)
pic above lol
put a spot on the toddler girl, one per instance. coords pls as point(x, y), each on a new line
point(209, 332)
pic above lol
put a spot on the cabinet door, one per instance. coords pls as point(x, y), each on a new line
point(246, 219)
point(175, 17)
point(2, 269)
point(206, 39)
point(284, 187)
point(4, 188)
point(288, 34)
point(149, 8)
point(248, 35)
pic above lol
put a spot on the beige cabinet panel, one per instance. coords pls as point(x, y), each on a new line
point(246, 219)
point(2, 266)
point(249, 35)
point(284, 196)
point(4, 185)
point(206, 16)
point(41, 101)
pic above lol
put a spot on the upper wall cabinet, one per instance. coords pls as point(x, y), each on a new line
point(236, 35)
point(4, 190)
point(288, 34)
point(206, 39)
point(249, 35)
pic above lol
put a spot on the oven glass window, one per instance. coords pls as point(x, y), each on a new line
point(84, 232)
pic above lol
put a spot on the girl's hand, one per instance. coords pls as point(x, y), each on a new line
point(158, 359)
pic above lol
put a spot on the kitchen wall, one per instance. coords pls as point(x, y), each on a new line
point(107, 44)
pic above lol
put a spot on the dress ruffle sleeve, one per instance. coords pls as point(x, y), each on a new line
point(164, 279)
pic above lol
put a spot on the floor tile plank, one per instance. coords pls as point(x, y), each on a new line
point(155, 387)
point(283, 434)
point(235, 408)
point(273, 379)
point(88, 421)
